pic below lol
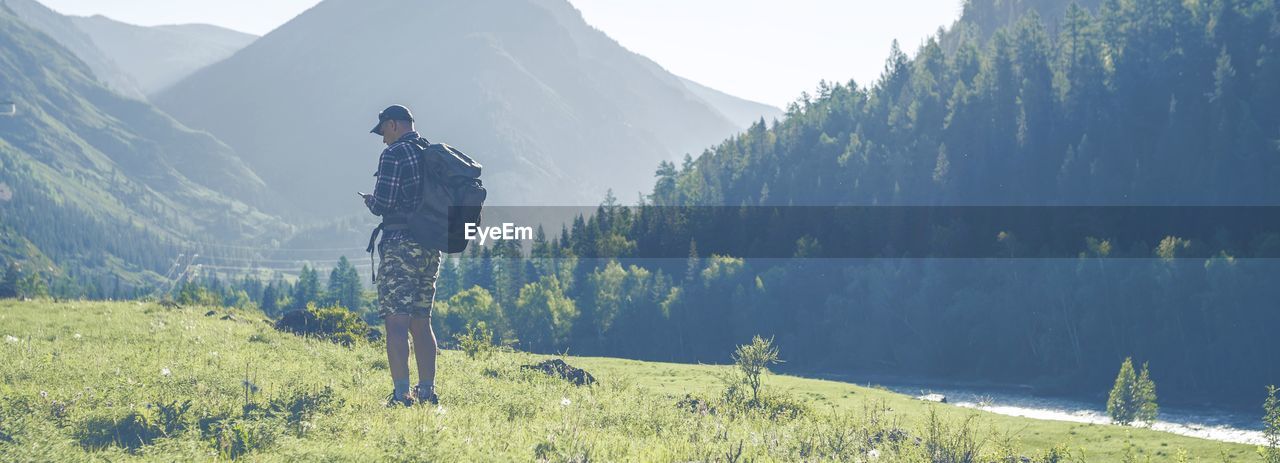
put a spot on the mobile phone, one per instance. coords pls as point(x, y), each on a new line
point(361, 193)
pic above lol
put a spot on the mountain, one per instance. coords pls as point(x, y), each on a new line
point(740, 111)
point(101, 185)
point(555, 110)
point(157, 57)
point(69, 35)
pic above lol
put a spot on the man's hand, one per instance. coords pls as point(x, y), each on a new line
point(368, 198)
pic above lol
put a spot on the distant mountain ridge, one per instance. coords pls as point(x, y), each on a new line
point(159, 56)
point(556, 111)
point(741, 111)
point(134, 61)
point(64, 30)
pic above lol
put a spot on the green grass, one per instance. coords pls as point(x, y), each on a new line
point(85, 381)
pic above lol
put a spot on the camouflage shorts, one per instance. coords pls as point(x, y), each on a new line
point(406, 278)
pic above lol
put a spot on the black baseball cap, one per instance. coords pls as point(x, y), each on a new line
point(394, 112)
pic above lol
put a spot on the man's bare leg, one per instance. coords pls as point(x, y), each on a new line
point(398, 352)
point(424, 350)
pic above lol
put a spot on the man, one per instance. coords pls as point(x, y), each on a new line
point(407, 272)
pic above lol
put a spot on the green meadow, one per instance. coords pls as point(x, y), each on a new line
point(111, 381)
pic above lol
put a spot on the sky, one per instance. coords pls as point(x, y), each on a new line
point(763, 50)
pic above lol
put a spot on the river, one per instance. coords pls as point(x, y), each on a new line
point(1205, 422)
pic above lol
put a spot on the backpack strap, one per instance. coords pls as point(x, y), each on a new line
point(373, 239)
point(421, 143)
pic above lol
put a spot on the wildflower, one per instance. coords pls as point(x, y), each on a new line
point(44, 395)
point(10, 339)
point(564, 401)
point(873, 454)
point(165, 372)
point(440, 410)
point(77, 336)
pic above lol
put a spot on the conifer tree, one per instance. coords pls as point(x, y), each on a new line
point(1122, 405)
point(1271, 424)
point(1146, 397)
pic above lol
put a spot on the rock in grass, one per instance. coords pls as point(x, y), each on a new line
point(939, 398)
point(558, 368)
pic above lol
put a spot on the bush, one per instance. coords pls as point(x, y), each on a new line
point(476, 341)
point(336, 324)
point(753, 361)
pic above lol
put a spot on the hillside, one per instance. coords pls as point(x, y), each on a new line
point(138, 382)
point(64, 30)
point(106, 187)
point(160, 56)
point(555, 110)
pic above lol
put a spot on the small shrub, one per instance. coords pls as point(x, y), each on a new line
point(476, 341)
point(753, 361)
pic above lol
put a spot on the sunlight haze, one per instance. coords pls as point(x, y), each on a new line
point(760, 50)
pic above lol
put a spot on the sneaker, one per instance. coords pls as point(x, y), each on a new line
point(426, 396)
point(407, 400)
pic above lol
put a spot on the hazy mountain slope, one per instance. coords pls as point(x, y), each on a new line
point(160, 56)
point(100, 181)
point(66, 32)
point(740, 111)
point(556, 113)
point(625, 62)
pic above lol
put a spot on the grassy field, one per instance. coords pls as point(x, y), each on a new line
point(126, 380)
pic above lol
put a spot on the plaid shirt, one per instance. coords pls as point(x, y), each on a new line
point(398, 189)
